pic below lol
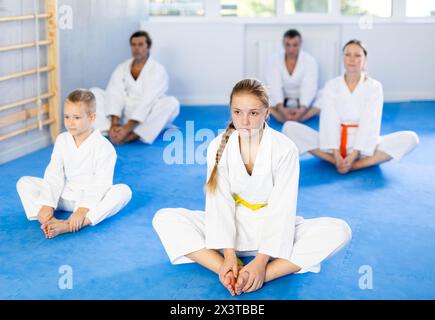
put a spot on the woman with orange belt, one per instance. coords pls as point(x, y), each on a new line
point(251, 196)
point(350, 121)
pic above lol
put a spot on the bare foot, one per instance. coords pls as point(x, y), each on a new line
point(241, 282)
point(343, 169)
point(277, 115)
point(57, 227)
point(44, 226)
point(131, 137)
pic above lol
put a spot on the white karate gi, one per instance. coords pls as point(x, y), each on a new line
point(301, 85)
point(142, 100)
point(362, 107)
point(77, 177)
point(274, 230)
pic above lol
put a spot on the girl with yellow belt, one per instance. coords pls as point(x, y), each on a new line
point(251, 196)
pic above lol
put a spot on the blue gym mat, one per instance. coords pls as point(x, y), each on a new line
point(390, 209)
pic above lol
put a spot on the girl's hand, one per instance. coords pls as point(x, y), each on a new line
point(256, 270)
point(229, 264)
point(45, 214)
point(77, 219)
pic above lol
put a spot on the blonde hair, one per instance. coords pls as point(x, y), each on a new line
point(247, 86)
point(83, 96)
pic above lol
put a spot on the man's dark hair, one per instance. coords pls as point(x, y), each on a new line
point(292, 33)
point(141, 33)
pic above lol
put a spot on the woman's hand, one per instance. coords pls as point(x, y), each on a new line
point(339, 162)
point(351, 157)
point(251, 277)
point(346, 164)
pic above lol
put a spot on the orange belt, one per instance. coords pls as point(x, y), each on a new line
point(343, 144)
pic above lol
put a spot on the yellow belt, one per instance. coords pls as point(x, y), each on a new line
point(239, 262)
point(253, 207)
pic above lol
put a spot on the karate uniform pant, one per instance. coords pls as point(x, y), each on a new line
point(182, 232)
point(113, 201)
point(161, 115)
point(396, 144)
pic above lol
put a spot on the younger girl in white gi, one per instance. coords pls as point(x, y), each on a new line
point(251, 195)
point(79, 176)
point(350, 121)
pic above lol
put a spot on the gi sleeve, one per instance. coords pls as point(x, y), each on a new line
point(278, 229)
point(274, 82)
point(330, 124)
point(115, 93)
point(54, 176)
point(370, 122)
point(309, 85)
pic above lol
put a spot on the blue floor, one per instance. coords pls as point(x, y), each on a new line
point(390, 209)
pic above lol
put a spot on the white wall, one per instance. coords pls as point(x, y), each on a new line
point(25, 87)
point(204, 59)
point(401, 56)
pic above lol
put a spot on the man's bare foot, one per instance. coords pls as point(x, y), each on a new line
point(113, 132)
point(116, 140)
point(131, 137)
point(291, 114)
point(241, 282)
point(277, 115)
point(57, 227)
